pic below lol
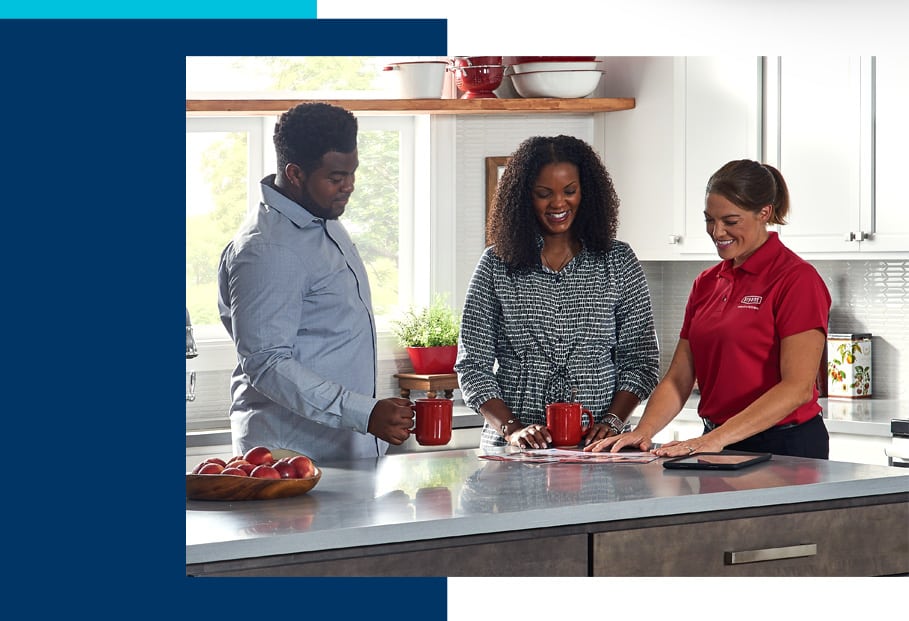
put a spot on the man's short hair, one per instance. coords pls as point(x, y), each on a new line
point(308, 131)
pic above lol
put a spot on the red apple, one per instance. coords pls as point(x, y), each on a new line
point(237, 472)
point(258, 455)
point(210, 468)
point(286, 469)
point(242, 464)
point(303, 465)
point(265, 472)
point(216, 460)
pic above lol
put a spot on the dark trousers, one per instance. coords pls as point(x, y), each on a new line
point(809, 439)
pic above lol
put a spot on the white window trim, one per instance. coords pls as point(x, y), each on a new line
point(410, 194)
point(255, 128)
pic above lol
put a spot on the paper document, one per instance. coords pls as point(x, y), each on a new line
point(571, 456)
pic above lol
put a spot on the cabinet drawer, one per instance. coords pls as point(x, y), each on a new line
point(855, 541)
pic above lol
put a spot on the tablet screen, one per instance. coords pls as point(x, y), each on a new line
point(719, 461)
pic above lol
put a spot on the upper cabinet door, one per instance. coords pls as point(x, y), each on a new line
point(837, 129)
point(889, 229)
point(719, 99)
point(818, 101)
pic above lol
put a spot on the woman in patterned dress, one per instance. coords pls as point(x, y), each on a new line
point(557, 308)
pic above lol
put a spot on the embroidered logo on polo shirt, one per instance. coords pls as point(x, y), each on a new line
point(751, 301)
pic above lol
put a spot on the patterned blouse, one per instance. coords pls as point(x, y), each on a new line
point(580, 334)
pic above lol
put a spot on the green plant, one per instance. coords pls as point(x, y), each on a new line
point(432, 326)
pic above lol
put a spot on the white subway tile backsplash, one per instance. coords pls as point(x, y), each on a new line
point(867, 296)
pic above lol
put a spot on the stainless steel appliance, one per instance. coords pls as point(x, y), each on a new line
point(898, 451)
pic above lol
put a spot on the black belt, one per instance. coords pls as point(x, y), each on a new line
point(710, 425)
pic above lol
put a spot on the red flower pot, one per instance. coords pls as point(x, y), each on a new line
point(433, 360)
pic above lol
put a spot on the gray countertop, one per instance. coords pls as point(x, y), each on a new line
point(425, 496)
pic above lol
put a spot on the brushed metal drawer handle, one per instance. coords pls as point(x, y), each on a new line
point(769, 554)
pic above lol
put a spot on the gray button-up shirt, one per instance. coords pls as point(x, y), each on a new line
point(294, 295)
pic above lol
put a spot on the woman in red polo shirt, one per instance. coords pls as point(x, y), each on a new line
point(754, 330)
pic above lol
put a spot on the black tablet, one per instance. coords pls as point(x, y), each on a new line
point(724, 460)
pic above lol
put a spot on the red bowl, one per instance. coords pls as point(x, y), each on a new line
point(467, 61)
point(479, 78)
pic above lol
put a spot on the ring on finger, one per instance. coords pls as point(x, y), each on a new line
point(690, 449)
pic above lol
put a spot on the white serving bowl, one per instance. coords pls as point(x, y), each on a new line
point(417, 80)
point(564, 65)
point(566, 84)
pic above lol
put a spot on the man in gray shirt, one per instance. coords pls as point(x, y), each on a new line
point(293, 293)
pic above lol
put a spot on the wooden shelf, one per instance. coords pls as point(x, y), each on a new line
point(247, 107)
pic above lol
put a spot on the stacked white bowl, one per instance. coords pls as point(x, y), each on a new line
point(566, 77)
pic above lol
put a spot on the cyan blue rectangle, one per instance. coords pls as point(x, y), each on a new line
point(161, 9)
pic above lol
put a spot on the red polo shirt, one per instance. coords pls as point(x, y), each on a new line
point(735, 319)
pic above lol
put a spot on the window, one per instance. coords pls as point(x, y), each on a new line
point(224, 163)
point(225, 160)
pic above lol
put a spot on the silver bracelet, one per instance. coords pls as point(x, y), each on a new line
point(615, 423)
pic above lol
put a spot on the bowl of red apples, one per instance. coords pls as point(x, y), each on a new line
point(254, 475)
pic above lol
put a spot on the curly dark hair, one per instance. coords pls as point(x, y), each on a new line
point(308, 131)
point(512, 224)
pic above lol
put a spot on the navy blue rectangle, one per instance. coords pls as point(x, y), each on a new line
point(93, 174)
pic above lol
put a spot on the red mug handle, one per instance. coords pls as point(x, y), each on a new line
point(412, 430)
point(589, 420)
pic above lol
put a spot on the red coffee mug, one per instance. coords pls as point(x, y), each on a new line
point(565, 423)
point(432, 421)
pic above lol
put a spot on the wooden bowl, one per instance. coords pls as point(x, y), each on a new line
point(230, 487)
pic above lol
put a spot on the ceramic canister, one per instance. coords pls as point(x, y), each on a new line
point(849, 365)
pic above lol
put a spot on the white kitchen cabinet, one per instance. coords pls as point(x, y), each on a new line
point(718, 103)
point(891, 126)
point(815, 139)
point(692, 115)
point(834, 125)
